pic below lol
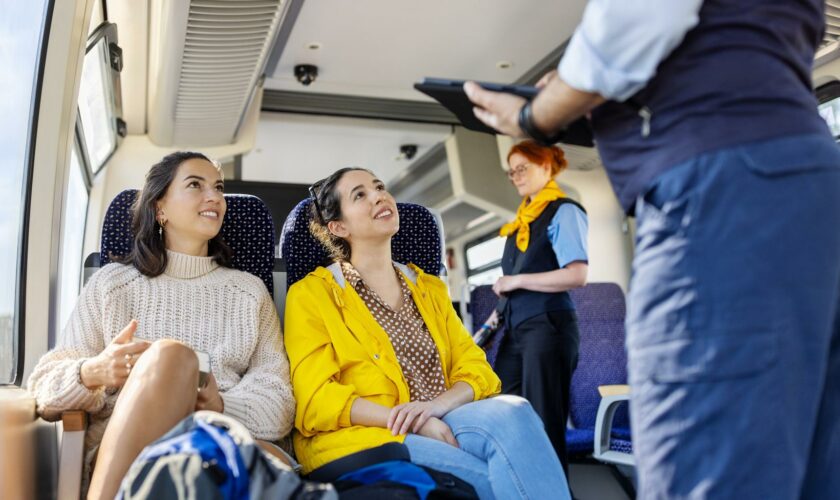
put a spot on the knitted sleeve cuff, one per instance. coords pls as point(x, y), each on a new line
point(235, 407)
point(66, 392)
point(78, 396)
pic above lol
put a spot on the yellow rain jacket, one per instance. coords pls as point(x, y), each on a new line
point(338, 352)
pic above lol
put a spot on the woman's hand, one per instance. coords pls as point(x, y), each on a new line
point(436, 428)
point(506, 284)
point(113, 365)
point(209, 397)
point(492, 320)
point(402, 416)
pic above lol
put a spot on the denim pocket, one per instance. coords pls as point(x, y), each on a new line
point(791, 156)
point(705, 359)
point(740, 339)
point(667, 205)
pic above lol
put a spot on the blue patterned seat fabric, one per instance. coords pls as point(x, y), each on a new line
point(482, 303)
point(417, 242)
point(602, 361)
point(247, 228)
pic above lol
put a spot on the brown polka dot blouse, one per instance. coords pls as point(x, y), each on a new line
point(413, 344)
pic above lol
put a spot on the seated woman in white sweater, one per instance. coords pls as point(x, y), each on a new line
point(177, 292)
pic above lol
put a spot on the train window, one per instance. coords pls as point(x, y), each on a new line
point(72, 233)
point(99, 96)
point(97, 17)
point(829, 98)
point(21, 29)
point(484, 259)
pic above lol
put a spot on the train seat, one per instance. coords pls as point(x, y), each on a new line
point(419, 241)
point(483, 301)
point(248, 229)
point(602, 362)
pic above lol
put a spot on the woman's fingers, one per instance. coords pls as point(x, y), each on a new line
point(392, 416)
point(450, 438)
point(421, 421)
point(133, 348)
point(398, 421)
point(412, 415)
point(127, 333)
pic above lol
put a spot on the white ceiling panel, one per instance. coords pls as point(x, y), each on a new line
point(379, 48)
point(302, 149)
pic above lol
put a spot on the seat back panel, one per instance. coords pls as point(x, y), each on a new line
point(418, 241)
point(247, 228)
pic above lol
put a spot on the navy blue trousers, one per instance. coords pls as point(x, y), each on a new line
point(733, 327)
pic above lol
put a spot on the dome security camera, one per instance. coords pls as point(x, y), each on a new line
point(306, 73)
point(408, 151)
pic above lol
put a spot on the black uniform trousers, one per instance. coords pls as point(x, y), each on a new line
point(536, 360)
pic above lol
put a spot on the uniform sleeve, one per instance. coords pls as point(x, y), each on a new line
point(618, 45)
point(55, 383)
point(468, 361)
point(262, 400)
point(323, 404)
point(567, 232)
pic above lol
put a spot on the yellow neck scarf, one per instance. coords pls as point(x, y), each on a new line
point(528, 213)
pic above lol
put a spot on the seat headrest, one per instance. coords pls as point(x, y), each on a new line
point(602, 357)
point(248, 229)
point(418, 241)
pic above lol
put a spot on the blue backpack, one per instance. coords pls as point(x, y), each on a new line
point(386, 472)
point(211, 456)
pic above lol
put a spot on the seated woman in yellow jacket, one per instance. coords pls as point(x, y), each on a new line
point(378, 355)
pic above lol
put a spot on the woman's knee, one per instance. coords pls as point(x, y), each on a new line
point(509, 406)
point(499, 412)
point(169, 359)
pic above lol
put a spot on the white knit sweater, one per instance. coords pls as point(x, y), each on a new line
point(224, 312)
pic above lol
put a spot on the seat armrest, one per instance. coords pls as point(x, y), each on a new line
point(74, 421)
point(613, 390)
point(612, 397)
point(71, 456)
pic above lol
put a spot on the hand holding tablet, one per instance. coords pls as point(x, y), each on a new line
point(450, 94)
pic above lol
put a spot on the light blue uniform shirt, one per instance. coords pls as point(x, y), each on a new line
point(567, 233)
point(619, 44)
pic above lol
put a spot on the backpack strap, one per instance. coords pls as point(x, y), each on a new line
point(331, 471)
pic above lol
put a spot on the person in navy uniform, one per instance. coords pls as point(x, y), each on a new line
point(545, 256)
point(705, 119)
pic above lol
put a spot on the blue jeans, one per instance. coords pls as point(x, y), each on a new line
point(733, 327)
point(504, 451)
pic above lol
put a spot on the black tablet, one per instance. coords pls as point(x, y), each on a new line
point(450, 94)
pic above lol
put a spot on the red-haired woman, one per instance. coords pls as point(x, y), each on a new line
point(545, 256)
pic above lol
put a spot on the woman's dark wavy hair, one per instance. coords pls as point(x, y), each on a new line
point(148, 253)
point(326, 207)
